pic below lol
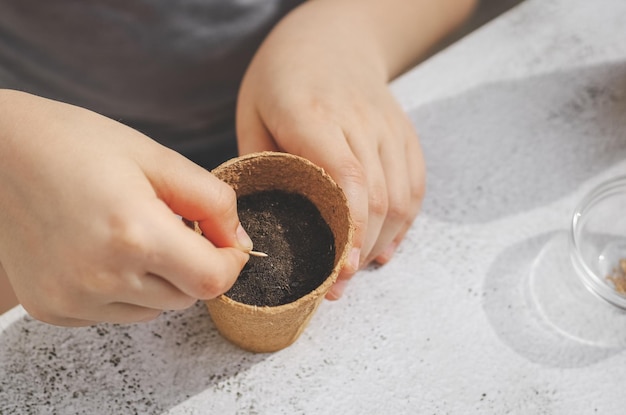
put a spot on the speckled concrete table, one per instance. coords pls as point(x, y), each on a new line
point(517, 121)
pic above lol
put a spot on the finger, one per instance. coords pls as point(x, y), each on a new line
point(366, 151)
point(40, 313)
point(153, 291)
point(196, 194)
point(122, 313)
point(396, 180)
point(377, 206)
point(63, 321)
point(396, 172)
point(189, 261)
point(337, 290)
point(116, 312)
point(416, 187)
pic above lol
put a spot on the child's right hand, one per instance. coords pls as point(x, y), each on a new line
point(88, 231)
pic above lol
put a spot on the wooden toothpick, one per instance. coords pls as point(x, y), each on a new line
point(257, 253)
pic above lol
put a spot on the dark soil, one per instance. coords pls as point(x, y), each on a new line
point(299, 244)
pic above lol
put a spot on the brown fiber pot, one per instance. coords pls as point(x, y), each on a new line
point(268, 329)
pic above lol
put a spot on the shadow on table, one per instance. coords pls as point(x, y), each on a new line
point(508, 147)
point(515, 317)
point(147, 368)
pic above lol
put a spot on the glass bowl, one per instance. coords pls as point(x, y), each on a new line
point(598, 241)
point(574, 281)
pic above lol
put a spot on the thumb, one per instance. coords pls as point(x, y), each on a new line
point(197, 195)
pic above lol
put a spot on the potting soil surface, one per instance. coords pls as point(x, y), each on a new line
point(299, 244)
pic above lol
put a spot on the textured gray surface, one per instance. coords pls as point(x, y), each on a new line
point(553, 131)
point(518, 121)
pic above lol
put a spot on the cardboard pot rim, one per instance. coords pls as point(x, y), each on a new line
point(332, 277)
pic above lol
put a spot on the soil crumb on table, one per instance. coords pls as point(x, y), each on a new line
point(299, 244)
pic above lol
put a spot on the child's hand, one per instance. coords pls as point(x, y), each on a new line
point(87, 225)
point(318, 88)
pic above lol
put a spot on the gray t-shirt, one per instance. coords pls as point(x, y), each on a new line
point(170, 68)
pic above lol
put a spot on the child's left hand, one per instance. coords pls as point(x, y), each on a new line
point(319, 89)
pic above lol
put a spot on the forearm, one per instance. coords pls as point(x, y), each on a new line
point(397, 33)
point(405, 30)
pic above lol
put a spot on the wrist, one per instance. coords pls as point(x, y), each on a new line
point(398, 33)
point(331, 33)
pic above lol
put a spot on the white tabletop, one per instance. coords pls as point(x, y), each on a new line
point(518, 120)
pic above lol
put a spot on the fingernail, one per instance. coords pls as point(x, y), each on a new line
point(388, 253)
point(336, 291)
point(354, 259)
point(243, 238)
